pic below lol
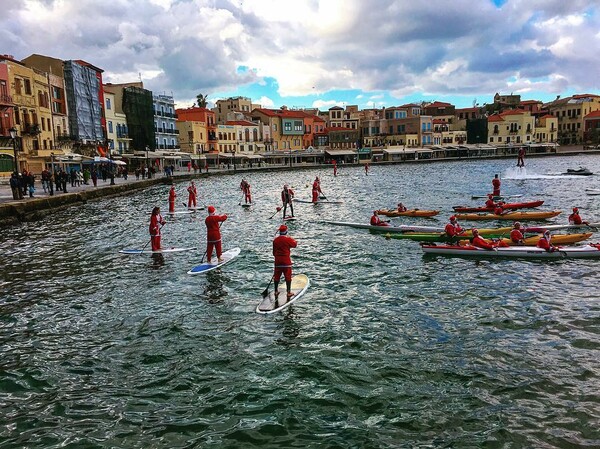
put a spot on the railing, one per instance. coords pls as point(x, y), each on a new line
point(24, 100)
point(6, 99)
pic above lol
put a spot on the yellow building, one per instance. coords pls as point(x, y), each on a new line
point(231, 108)
point(193, 137)
point(570, 113)
point(117, 133)
point(546, 129)
point(30, 92)
point(511, 127)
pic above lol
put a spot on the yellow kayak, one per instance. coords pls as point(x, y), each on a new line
point(518, 216)
point(408, 213)
point(557, 239)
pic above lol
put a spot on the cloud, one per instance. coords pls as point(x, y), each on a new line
point(312, 47)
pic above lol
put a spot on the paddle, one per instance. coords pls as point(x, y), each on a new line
point(276, 212)
point(265, 292)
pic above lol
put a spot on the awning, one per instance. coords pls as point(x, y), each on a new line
point(341, 152)
point(7, 153)
point(399, 150)
point(252, 156)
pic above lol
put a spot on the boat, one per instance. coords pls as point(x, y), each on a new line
point(592, 191)
point(575, 252)
point(408, 213)
point(390, 229)
point(557, 239)
point(581, 171)
point(443, 237)
point(506, 206)
point(519, 216)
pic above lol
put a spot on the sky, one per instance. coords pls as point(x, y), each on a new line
point(321, 53)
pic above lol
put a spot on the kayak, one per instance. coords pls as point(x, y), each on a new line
point(495, 198)
point(576, 252)
point(391, 229)
point(557, 239)
point(408, 213)
point(560, 227)
point(525, 205)
point(592, 191)
point(541, 215)
point(443, 237)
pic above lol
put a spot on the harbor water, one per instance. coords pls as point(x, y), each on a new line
point(388, 348)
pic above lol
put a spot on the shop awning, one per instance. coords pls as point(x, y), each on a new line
point(399, 150)
point(341, 152)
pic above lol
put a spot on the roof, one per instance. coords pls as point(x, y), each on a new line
point(281, 113)
point(531, 102)
point(593, 114)
point(241, 123)
point(495, 118)
point(438, 104)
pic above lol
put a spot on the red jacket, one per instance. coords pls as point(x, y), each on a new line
point(480, 242)
point(376, 221)
point(316, 186)
point(496, 185)
point(286, 197)
point(155, 221)
point(575, 218)
point(452, 230)
point(490, 203)
point(213, 229)
point(282, 244)
point(516, 236)
point(544, 244)
point(172, 195)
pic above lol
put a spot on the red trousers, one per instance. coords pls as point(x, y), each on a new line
point(172, 206)
point(210, 246)
point(286, 271)
point(155, 242)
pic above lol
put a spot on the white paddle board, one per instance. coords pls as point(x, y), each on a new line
point(300, 284)
point(205, 267)
point(289, 218)
point(476, 197)
point(160, 251)
point(246, 205)
point(321, 201)
point(183, 212)
point(194, 209)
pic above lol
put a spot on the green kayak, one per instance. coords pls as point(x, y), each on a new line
point(436, 237)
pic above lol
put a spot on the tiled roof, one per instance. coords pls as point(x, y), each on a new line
point(438, 104)
point(241, 122)
point(593, 114)
point(495, 118)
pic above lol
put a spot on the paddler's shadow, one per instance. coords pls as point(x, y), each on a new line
point(290, 329)
point(214, 291)
point(158, 260)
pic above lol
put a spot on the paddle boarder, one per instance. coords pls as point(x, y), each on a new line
point(172, 196)
point(521, 157)
point(544, 242)
point(376, 221)
point(516, 235)
point(316, 189)
point(366, 169)
point(192, 194)
point(576, 219)
point(245, 188)
point(282, 245)
point(156, 223)
point(334, 168)
point(496, 185)
point(287, 198)
point(453, 229)
point(213, 233)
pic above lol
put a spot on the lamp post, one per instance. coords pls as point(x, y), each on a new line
point(13, 136)
point(146, 165)
point(233, 154)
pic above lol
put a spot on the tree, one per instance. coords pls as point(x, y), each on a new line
point(202, 100)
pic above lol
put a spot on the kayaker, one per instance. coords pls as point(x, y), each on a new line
point(401, 207)
point(282, 245)
point(245, 188)
point(521, 157)
point(287, 197)
point(156, 223)
point(496, 185)
point(192, 194)
point(172, 196)
point(376, 221)
point(480, 242)
point(316, 189)
point(213, 233)
point(490, 203)
point(453, 229)
point(575, 218)
point(516, 235)
point(544, 242)
point(499, 209)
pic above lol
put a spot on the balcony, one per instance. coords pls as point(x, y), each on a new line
point(32, 130)
point(6, 100)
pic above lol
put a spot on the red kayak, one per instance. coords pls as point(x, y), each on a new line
point(511, 206)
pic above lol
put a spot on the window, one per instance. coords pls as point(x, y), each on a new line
point(27, 87)
point(110, 127)
point(108, 106)
point(43, 125)
point(18, 86)
point(287, 126)
point(298, 126)
point(49, 124)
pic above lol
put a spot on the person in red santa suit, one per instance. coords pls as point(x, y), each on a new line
point(213, 234)
point(376, 221)
point(575, 218)
point(496, 185)
point(316, 190)
point(282, 245)
point(453, 229)
point(156, 223)
point(192, 194)
point(172, 196)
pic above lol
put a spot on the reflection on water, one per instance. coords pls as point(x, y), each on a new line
point(387, 348)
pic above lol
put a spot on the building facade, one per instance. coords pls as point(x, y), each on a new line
point(570, 113)
point(511, 127)
point(229, 109)
point(167, 134)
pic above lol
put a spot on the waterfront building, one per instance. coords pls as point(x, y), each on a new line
point(117, 132)
point(167, 134)
point(286, 128)
point(198, 132)
point(514, 126)
point(546, 129)
point(503, 102)
point(591, 128)
point(570, 113)
point(440, 111)
point(229, 109)
point(7, 120)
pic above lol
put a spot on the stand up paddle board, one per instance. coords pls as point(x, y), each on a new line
point(289, 218)
point(246, 205)
point(181, 212)
point(501, 197)
point(592, 191)
point(321, 201)
point(160, 251)
point(205, 267)
point(300, 284)
point(194, 209)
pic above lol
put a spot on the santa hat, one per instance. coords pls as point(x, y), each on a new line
point(211, 209)
point(283, 230)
